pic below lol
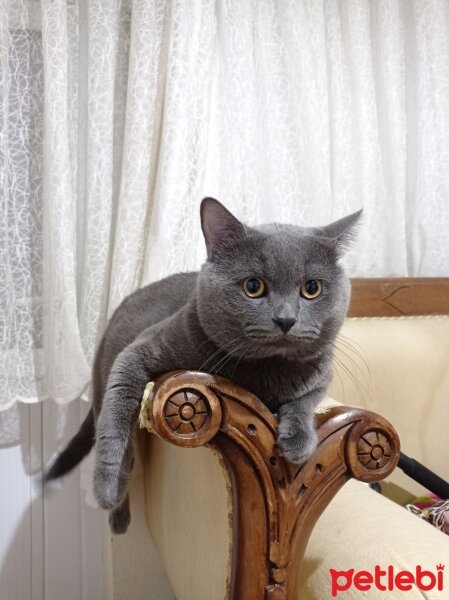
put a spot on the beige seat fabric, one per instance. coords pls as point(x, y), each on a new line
point(361, 529)
point(189, 511)
point(403, 374)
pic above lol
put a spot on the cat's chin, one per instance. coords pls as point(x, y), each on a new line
point(289, 351)
point(284, 352)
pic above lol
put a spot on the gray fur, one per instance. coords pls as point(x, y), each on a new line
point(204, 321)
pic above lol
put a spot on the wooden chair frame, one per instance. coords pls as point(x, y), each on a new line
point(275, 503)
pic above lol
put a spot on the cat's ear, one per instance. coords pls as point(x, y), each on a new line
point(342, 232)
point(219, 226)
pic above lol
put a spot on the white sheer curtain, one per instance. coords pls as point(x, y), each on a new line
point(116, 117)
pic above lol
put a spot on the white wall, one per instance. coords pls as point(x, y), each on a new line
point(137, 571)
point(55, 547)
point(51, 545)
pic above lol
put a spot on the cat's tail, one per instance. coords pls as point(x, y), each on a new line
point(78, 447)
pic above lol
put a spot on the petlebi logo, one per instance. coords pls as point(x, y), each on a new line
point(387, 579)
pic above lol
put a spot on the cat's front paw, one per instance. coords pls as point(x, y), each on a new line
point(296, 442)
point(110, 485)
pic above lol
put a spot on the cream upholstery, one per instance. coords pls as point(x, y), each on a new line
point(189, 507)
point(406, 379)
point(403, 374)
point(360, 529)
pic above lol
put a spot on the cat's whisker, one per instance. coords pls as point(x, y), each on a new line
point(221, 359)
point(236, 364)
point(220, 364)
point(352, 342)
point(352, 362)
point(342, 387)
point(243, 356)
point(208, 340)
point(356, 350)
point(362, 390)
point(362, 370)
point(233, 353)
point(222, 348)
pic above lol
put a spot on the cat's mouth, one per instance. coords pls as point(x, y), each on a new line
point(286, 340)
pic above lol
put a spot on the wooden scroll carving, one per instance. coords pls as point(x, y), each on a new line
point(275, 503)
point(399, 297)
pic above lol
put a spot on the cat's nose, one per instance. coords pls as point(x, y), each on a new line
point(285, 323)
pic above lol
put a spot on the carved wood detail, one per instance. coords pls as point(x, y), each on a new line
point(399, 297)
point(275, 503)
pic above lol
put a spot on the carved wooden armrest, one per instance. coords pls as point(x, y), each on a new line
point(275, 503)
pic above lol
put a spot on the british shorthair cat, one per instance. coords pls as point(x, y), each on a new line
point(264, 311)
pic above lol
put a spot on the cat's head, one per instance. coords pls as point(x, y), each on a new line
point(275, 289)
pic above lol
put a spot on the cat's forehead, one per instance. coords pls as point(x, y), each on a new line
point(287, 243)
point(273, 230)
point(286, 251)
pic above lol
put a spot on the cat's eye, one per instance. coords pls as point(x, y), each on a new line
point(311, 289)
point(254, 287)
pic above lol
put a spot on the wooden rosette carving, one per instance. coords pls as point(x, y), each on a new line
point(275, 503)
point(186, 415)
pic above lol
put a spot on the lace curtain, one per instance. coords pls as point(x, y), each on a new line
point(117, 117)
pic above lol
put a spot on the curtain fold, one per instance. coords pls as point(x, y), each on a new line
point(116, 118)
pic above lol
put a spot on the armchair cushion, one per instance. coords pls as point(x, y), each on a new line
point(361, 529)
point(400, 370)
point(189, 509)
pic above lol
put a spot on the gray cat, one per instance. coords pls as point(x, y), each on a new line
point(264, 310)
